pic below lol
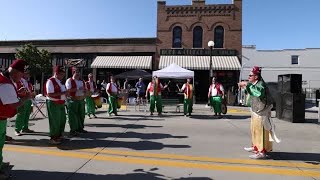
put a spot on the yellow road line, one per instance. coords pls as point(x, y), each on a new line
point(205, 159)
point(130, 160)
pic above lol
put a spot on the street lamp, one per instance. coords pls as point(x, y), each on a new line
point(211, 45)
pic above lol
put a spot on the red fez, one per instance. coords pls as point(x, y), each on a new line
point(19, 65)
point(58, 69)
point(256, 70)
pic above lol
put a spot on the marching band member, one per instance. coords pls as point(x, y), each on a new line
point(56, 96)
point(155, 88)
point(24, 111)
point(76, 106)
point(92, 88)
point(112, 90)
point(188, 102)
point(9, 102)
point(215, 95)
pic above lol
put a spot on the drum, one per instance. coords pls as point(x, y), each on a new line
point(97, 100)
point(119, 102)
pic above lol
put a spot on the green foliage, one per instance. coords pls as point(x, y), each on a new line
point(39, 60)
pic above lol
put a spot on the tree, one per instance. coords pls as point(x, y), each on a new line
point(39, 61)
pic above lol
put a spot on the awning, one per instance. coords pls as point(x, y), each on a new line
point(123, 62)
point(202, 62)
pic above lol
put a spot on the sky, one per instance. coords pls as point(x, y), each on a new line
point(268, 24)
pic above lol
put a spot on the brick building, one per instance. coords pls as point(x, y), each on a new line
point(183, 33)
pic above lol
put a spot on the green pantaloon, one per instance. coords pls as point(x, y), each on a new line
point(156, 101)
point(113, 104)
point(3, 127)
point(215, 102)
point(187, 106)
point(57, 118)
point(91, 106)
point(23, 116)
point(76, 115)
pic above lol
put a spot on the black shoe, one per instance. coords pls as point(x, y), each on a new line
point(5, 165)
point(4, 176)
point(27, 131)
point(8, 138)
point(94, 116)
point(73, 134)
point(81, 131)
point(151, 113)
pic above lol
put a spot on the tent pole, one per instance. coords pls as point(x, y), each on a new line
point(194, 98)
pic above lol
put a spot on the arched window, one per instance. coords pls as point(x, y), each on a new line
point(177, 37)
point(197, 37)
point(218, 37)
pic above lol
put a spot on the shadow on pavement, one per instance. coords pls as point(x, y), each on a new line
point(312, 158)
point(134, 145)
point(138, 174)
point(140, 118)
point(124, 126)
point(212, 117)
point(103, 135)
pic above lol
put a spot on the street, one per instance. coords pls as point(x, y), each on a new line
point(135, 145)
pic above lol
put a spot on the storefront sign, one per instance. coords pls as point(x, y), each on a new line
point(197, 52)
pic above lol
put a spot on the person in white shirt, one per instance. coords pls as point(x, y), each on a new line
point(215, 95)
point(37, 87)
point(188, 95)
point(92, 88)
point(76, 106)
point(23, 115)
point(155, 88)
point(56, 96)
point(9, 102)
point(112, 90)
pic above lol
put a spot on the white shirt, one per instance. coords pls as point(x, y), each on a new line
point(214, 91)
point(114, 87)
point(26, 84)
point(79, 84)
point(152, 93)
point(91, 87)
point(50, 89)
point(37, 86)
point(8, 94)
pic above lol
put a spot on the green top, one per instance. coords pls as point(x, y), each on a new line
point(257, 90)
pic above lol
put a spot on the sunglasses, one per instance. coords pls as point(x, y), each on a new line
point(250, 75)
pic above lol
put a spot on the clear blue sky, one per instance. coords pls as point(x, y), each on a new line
point(269, 24)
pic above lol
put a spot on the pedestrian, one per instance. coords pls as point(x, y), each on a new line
point(188, 101)
point(77, 92)
point(141, 90)
point(92, 88)
point(126, 85)
point(56, 96)
point(261, 124)
point(155, 88)
point(112, 90)
point(215, 95)
point(9, 102)
point(37, 87)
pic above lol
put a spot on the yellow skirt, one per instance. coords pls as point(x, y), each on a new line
point(260, 136)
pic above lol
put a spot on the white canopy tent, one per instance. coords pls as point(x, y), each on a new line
point(174, 71)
